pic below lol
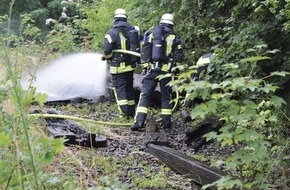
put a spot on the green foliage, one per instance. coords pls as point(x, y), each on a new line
point(24, 155)
point(243, 87)
point(245, 105)
point(110, 183)
point(62, 39)
point(99, 18)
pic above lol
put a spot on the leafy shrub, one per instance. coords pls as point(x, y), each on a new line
point(246, 105)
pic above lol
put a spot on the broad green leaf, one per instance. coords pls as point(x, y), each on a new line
point(5, 139)
point(198, 111)
point(27, 96)
point(40, 98)
point(212, 106)
point(268, 88)
point(277, 101)
point(48, 156)
point(233, 108)
point(238, 82)
point(218, 96)
point(214, 86)
point(164, 76)
point(230, 66)
point(273, 119)
point(251, 50)
point(281, 73)
point(226, 83)
point(274, 51)
point(260, 46)
point(254, 59)
point(249, 109)
point(211, 135)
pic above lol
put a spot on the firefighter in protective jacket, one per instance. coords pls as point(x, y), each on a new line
point(201, 67)
point(160, 51)
point(122, 65)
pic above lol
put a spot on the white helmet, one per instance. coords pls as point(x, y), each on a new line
point(137, 28)
point(167, 19)
point(120, 13)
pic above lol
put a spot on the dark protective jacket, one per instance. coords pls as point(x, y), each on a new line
point(116, 38)
point(203, 62)
point(173, 49)
point(150, 81)
point(120, 66)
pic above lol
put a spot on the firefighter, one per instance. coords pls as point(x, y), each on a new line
point(122, 65)
point(159, 52)
point(202, 65)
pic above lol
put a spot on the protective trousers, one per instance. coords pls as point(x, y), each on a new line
point(124, 93)
point(149, 84)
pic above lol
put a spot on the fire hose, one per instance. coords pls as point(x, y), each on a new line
point(96, 121)
point(138, 54)
point(79, 119)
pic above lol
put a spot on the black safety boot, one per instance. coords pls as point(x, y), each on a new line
point(166, 125)
point(137, 127)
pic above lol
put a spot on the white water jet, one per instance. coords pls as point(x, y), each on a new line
point(80, 75)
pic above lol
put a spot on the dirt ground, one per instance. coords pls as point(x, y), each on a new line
point(122, 143)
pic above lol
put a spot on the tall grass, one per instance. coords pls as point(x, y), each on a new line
point(21, 155)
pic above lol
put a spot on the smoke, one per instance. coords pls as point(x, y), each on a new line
point(81, 75)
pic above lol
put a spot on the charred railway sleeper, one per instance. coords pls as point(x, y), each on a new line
point(199, 172)
point(73, 133)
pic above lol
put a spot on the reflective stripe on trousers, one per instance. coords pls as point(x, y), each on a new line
point(149, 84)
point(124, 93)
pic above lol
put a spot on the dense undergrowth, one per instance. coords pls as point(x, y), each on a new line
point(242, 87)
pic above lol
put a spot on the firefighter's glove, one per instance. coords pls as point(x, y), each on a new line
point(103, 58)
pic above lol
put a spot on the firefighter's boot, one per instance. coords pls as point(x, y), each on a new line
point(137, 127)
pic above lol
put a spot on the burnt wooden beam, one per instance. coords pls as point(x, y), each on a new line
point(194, 136)
point(73, 133)
point(185, 165)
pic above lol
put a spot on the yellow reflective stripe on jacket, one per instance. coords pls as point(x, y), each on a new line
point(166, 111)
point(142, 109)
point(122, 69)
point(169, 41)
